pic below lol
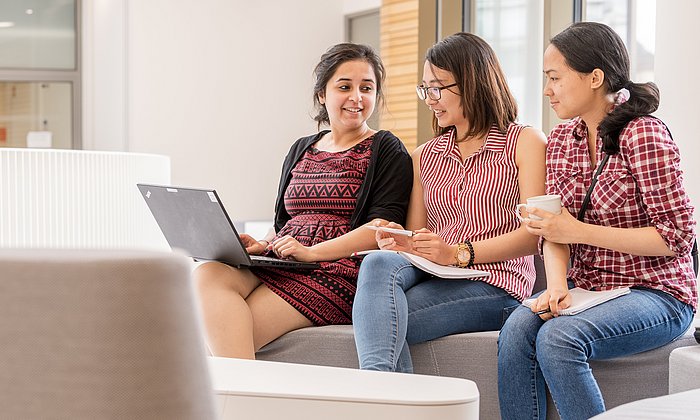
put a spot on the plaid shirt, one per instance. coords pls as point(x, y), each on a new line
point(640, 186)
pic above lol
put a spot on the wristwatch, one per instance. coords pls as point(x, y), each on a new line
point(463, 256)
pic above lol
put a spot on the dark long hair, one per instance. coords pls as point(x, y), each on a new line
point(333, 58)
point(587, 46)
point(484, 93)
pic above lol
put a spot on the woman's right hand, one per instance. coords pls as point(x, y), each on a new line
point(552, 300)
point(252, 245)
point(391, 241)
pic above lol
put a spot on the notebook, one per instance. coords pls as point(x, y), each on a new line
point(437, 270)
point(195, 221)
point(582, 299)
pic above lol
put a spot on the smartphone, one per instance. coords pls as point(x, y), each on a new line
point(391, 230)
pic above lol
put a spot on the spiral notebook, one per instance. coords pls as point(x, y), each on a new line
point(582, 299)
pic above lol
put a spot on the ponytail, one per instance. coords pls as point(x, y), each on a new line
point(587, 46)
point(643, 100)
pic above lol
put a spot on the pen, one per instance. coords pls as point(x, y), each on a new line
point(391, 230)
point(543, 311)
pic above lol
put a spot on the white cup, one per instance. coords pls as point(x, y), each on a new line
point(550, 203)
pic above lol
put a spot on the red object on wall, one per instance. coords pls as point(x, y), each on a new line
point(3, 135)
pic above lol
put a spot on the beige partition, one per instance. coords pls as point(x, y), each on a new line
point(408, 29)
point(399, 49)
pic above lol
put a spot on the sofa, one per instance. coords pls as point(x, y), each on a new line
point(473, 356)
point(683, 401)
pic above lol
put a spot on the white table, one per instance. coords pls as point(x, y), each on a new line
point(260, 390)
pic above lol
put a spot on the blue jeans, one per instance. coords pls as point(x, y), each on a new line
point(397, 304)
point(532, 353)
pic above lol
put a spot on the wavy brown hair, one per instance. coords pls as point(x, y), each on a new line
point(484, 94)
point(334, 58)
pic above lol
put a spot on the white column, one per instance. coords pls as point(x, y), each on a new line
point(676, 65)
point(105, 85)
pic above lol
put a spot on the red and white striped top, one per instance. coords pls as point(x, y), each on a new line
point(476, 200)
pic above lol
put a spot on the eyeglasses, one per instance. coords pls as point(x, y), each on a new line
point(432, 92)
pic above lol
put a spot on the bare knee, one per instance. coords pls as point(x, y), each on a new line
point(218, 277)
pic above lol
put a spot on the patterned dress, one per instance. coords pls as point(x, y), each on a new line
point(321, 198)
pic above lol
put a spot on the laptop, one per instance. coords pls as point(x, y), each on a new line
point(195, 221)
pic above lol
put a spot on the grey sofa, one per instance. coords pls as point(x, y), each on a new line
point(473, 356)
point(683, 401)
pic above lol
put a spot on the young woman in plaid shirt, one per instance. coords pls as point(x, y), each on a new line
point(637, 231)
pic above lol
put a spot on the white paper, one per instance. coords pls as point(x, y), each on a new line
point(39, 139)
point(582, 299)
point(442, 271)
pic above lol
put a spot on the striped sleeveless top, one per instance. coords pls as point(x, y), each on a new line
point(476, 200)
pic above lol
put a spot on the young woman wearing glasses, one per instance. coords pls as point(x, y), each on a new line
point(332, 183)
point(468, 181)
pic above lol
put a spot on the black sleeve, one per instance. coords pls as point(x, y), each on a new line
point(392, 181)
point(293, 156)
point(281, 215)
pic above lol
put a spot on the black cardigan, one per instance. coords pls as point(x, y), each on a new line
point(385, 191)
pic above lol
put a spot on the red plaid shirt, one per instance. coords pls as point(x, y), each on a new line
point(640, 186)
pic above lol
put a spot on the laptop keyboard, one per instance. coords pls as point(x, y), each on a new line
point(264, 258)
point(283, 263)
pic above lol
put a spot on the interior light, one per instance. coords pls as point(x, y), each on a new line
point(29, 11)
point(6, 24)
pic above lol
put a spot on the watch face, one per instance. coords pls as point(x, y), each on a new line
point(463, 255)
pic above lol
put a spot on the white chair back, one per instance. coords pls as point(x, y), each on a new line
point(100, 334)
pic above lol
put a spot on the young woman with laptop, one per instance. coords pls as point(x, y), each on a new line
point(333, 183)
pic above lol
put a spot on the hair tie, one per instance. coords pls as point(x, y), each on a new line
point(622, 95)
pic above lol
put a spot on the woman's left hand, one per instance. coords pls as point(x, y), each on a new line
point(558, 228)
point(288, 247)
point(431, 246)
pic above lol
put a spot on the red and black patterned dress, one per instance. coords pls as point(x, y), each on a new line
point(321, 198)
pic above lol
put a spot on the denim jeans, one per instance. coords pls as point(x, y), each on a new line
point(532, 353)
point(397, 304)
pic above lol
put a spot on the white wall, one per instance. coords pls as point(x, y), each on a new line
point(170, 77)
point(222, 87)
point(351, 7)
point(676, 65)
